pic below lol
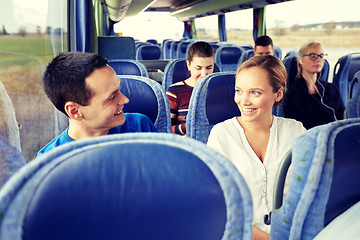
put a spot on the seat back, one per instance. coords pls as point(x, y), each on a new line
point(247, 54)
point(344, 71)
point(167, 48)
point(293, 52)
point(128, 67)
point(148, 52)
point(325, 166)
point(113, 47)
point(227, 57)
point(215, 46)
point(8, 123)
point(182, 49)
point(353, 102)
point(278, 52)
point(127, 186)
point(147, 97)
point(211, 102)
point(152, 41)
point(173, 49)
point(175, 71)
point(290, 64)
point(247, 47)
point(11, 160)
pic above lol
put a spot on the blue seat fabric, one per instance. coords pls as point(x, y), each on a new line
point(147, 97)
point(211, 102)
point(128, 67)
point(345, 190)
point(321, 183)
point(344, 71)
point(128, 186)
point(148, 52)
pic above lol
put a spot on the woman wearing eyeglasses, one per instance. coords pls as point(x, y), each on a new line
point(309, 100)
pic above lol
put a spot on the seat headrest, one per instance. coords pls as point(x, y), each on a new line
point(133, 190)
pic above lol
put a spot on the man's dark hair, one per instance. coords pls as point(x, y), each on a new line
point(264, 41)
point(64, 78)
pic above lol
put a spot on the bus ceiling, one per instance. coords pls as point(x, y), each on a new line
point(184, 10)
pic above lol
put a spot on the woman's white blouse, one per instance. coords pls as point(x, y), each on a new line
point(229, 139)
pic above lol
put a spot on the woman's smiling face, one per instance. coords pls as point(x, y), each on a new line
point(254, 95)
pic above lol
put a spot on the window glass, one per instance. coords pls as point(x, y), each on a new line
point(31, 33)
point(239, 26)
point(149, 25)
point(207, 28)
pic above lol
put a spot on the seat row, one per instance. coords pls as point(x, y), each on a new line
point(163, 186)
point(177, 71)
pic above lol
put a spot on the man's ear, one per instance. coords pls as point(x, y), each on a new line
point(72, 110)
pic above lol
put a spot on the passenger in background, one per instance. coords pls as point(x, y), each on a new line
point(264, 46)
point(87, 91)
point(308, 100)
point(256, 142)
point(200, 62)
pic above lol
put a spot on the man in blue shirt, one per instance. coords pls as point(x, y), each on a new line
point(87, 90)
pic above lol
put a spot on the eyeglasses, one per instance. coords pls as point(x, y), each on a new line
point(314, 56)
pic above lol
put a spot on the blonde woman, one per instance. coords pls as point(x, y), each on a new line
point(257, 141)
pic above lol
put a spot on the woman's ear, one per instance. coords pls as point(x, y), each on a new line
point(72, 110)
point(279, 94)
point(188, 65)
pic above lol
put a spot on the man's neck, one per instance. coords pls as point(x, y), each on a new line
point(78, 131)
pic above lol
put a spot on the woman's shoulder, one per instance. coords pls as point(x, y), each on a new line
point(289, 124)
point(229, 123)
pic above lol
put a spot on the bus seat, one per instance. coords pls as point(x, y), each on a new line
point(344, 227)
point(11, 160)
point(211, 102)
point(167, 48)
point(227, 57)
point(215, 46)
point(113, 47)
point(293, 52)
point(290, 64)
point(127, 186)
point(247, 54)
point(182, 49)
point(8, 124)
point(353, 102)
point(247, 47)
point(324, 180)
point(128, 67)
point(177, 71)
point(147, 97)
point(344, 71)
point(278, 52)
point(152, 41)
point(173, 49)
point(148, 52)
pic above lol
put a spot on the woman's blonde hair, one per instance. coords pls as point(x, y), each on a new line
point(273, 67)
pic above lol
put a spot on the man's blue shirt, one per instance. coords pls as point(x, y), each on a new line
point(134, 122)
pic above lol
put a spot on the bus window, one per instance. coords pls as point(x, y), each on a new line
point(149, 25)
point(292, 24)
point(207, 28)
point(239, 27)
point(30, 35)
